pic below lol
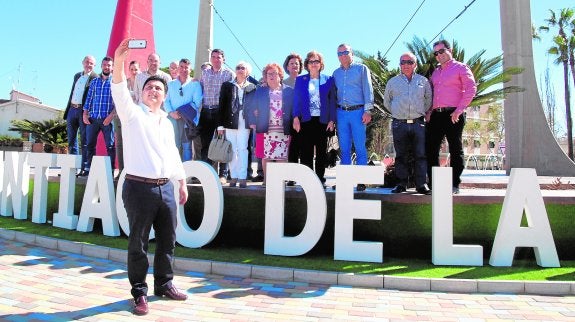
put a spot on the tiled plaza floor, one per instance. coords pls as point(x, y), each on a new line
point(38, 284)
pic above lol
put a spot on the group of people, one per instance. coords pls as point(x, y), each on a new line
point(285, 119)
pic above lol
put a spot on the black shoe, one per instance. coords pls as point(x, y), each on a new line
point(290, 183)
point(455, 190)
point(361, 187)
point(398, 189)
point(423, 190)
point(83, 173)
point(258, 179)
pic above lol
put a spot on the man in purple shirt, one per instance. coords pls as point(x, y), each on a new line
point(453, 90)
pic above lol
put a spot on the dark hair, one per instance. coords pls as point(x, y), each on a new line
point(185, 61)
point(219, 51)
point(134, 62)
point(311, 54)
point(444, 42)
point(107, 58)
point(288, 58)
point(159, 79)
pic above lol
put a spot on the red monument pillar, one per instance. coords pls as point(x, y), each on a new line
point(133, 19)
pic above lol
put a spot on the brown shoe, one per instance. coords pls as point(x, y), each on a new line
point(172, 293)
point(141, 305)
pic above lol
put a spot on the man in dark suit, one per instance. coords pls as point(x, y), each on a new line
point(73, 112)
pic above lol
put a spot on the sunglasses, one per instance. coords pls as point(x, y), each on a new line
point(441, 51)
point(314, 62)
point(342, 53)
point(181, 92)
point(240, 68)
point(406, 62)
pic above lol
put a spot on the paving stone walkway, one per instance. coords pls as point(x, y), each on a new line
point(40, 284)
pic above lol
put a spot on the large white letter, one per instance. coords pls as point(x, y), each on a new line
point(443, 251)
point(41, 162)
point(523, 193)
point(275, 243)
point(16, 185)
point(347, 209)
point(99, 199)
point(213, 207)
point(65, 217)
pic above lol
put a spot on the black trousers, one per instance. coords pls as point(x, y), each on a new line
point(147, 206)
point(440, 126)
point(313, 138)
point(209, 120)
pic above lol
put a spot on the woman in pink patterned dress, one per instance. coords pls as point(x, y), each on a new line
point(270, 112)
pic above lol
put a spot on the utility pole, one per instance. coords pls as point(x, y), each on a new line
point(204, 38)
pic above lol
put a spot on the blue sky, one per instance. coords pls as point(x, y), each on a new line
point(45, 41)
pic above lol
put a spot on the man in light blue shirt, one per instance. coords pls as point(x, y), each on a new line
point(181, 91)
point(354, 105)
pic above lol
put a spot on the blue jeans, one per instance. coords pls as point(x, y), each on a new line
point(147, 206)
point(92, 130)
point(350, 127)
point(409, 137)
point(73, 124)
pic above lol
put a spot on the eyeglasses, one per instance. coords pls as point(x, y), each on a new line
point(441, 51)
point(272, 74)
point(314, 62)
point(342, 53)
point(240, 68)
point(181, 92)
point(406, 62)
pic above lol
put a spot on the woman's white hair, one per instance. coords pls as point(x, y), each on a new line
point(246, 65)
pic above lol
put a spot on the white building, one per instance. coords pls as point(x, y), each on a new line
point(21, 106)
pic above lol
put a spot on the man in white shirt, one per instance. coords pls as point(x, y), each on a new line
point(151, 162)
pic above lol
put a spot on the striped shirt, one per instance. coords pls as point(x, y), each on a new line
point(99, 101)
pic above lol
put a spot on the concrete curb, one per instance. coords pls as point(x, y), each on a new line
point(400, 283)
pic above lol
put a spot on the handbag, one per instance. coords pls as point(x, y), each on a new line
point(220, 149)
point(332, 150)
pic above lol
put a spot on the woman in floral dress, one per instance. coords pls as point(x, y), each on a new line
point(270, 112)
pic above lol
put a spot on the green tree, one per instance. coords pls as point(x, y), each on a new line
point(378, 138)
point(563, 48)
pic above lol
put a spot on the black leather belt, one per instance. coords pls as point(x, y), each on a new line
point(444, 109)
point(350, 107)
point(76, 105)
point(211, 107)
point(157, 182)
point(421, 119)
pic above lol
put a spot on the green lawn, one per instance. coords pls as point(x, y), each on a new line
point(523, 269)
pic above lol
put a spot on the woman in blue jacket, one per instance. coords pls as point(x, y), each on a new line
point(270, 112)
point(314, 112)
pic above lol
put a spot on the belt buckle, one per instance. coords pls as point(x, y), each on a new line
point(409, 121)
point(159, 182)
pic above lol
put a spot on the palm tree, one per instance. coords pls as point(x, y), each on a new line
point(50, 132)
point(563, 48)
point(378, 137)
